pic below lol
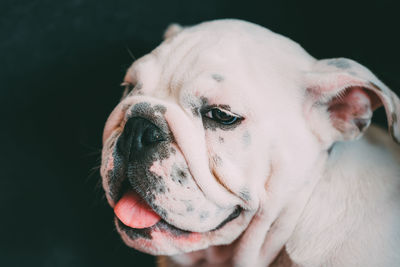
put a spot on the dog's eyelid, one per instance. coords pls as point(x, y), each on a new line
point(127, 84)
point(221, 116)
point(230, 113)
point(128, 87)
point(222, 108)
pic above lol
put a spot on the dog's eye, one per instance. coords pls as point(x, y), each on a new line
point(128, 87)
point(222, 116)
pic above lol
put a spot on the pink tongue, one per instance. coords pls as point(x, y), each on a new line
point(134, 212)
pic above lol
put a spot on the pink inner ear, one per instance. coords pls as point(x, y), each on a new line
point(352, 108)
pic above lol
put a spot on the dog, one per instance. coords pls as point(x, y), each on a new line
point(232, 146)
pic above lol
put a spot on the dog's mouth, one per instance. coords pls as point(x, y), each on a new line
point(134, 212)
point(137, 219)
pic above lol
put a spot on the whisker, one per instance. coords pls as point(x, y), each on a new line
point(93, 153)
point(130, 53)
point(92, 172)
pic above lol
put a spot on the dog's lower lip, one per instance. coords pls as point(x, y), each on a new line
point(146, 232)
point(163, 225)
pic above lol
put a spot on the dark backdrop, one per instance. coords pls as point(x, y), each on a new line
point(61, 63)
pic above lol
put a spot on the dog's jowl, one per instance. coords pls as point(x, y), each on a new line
point(232, 146)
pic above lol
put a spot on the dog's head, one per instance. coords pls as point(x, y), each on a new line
point(220, 121)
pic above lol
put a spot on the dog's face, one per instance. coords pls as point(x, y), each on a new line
point(212, 126)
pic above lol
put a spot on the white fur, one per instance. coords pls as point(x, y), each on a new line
point(337, 209)
point(352, 218)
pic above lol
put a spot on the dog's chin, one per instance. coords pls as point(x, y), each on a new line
point(166, 239)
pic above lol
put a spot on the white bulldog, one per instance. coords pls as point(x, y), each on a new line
point(232, 146)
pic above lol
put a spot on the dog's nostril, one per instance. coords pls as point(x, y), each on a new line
point(151, 136)
point(138, 136)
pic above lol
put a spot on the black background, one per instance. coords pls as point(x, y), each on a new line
point(61, 63)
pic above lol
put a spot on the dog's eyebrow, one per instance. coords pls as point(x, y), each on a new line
point(217, 77)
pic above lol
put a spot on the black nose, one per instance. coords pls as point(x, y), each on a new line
point(139, 138)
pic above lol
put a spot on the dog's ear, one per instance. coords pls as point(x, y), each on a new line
point(347, 93)
point(172, 30)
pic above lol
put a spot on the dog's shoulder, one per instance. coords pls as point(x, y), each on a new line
point(354, 212)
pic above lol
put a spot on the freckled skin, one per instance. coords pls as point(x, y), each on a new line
point(197, 106)
point(217, 77)
point(178, 175)
point(245, 194)
point(160, 108)
point(204, 215)
point(217, 160)
point(246, 138)
point(189, 205)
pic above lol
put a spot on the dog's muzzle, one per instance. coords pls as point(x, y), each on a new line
point(155, 197)
point(137, 143)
